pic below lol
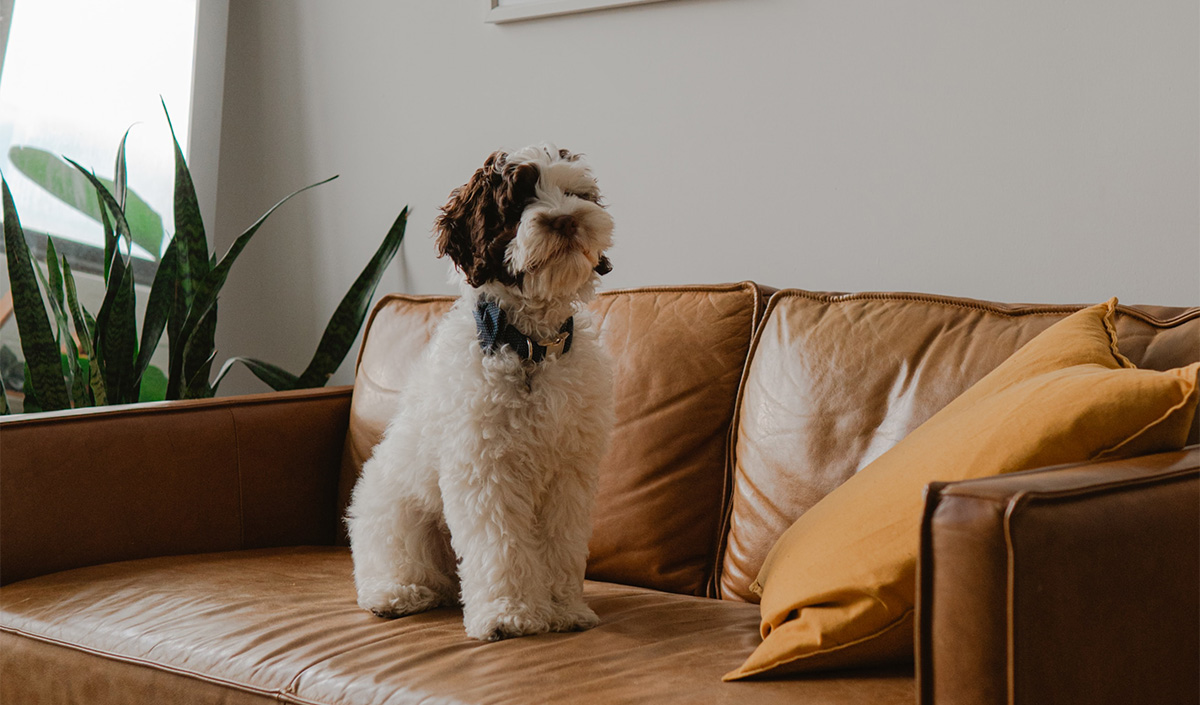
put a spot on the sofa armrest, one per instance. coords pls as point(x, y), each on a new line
point(95, 486)
point(1075, 584)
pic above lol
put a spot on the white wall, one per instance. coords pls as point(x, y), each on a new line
point(1016, 151)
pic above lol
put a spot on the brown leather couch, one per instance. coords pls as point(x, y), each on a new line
point(192, 552)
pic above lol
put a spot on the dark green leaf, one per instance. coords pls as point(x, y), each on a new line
point(84, 332)
point(37, 337)
point(198, 386)
point(119, 176)
point(116, 337)
point(275, 376)
point(211, 283)
point(63, 339)
point(198, 355)
point(55, 285)
point(175, 341)
point(348, 318)
point(189, 227)
point(111, 251)
point(159, 305)
point(107, 200)
point(30, 404)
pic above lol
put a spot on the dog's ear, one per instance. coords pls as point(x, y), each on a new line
point(473, 228)
point(518, 188)
point(604, 266)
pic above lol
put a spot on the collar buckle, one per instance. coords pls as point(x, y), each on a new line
point(556, 344)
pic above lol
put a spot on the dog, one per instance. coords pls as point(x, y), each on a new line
point(481, 490)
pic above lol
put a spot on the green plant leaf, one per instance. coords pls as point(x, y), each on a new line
point(37, 338)
point(159, 305)
point(198, 354)
point(116, 333)
point(111, 240)
point(55, 285)
point(121, 342)
point(65, 183)
point(30, 404)
point(348, 318)
point(275, 376)
point(70, 363)
point(106, 200)
point(175, 338)
point(84, 332)
point(120, 177)
point(114, 277)
point(154, 385)
point(189, 227)
point(198, 386)
point(211, 283)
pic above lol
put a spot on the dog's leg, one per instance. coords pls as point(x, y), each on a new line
point(566, 519)
point(493, 529)
point(402, 564)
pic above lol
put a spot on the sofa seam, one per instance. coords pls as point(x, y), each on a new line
point(727, 519)
point(761, 309)
point(275, 693)
point(237, 464)
point(174, 406)
point(1017, 310)
point(1096, 488)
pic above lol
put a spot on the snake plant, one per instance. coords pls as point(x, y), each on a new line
point(76, 359)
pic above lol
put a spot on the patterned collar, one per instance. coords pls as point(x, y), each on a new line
point(495, 332)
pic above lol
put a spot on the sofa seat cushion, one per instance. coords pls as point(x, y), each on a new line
point(281, 625)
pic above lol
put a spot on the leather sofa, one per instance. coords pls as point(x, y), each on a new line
point(192, 552)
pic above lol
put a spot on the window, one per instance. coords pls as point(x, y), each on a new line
point(74, 76)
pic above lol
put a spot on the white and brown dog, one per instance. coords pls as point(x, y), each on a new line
point(482, 487)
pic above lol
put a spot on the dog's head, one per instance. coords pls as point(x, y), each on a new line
point(531, 220)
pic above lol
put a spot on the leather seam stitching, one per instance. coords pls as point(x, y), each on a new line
point(156, 665)
point(1101, 487)
point(1016, 311)
point(237, 460)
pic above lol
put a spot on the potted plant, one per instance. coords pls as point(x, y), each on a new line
point(76, 359)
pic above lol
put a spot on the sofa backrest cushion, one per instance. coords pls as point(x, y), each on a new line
point(835, 380)
point(678, 355)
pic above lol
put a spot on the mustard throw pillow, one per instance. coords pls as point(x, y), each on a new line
point(838, 587)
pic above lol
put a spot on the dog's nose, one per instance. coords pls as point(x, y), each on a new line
point(565, 225)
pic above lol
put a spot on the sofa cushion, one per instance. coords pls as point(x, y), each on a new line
point(678, 354)
point(838, 588)
point(835, 380)
point(281, 625)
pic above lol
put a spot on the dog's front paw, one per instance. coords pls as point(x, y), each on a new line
point(399, 600)
point(573, 618)
point(504, 621)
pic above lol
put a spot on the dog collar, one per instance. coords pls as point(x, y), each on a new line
point(495, 331)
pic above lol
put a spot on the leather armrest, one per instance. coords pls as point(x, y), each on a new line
point(95, 486)
point(1075, 584)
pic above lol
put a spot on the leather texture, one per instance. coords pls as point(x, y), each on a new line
point(100, 485)
point(678, 354)
point(835, 380)
point(281, 625)
point(1057, 587)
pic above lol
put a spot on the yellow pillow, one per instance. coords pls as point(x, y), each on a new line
point(838, 587)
